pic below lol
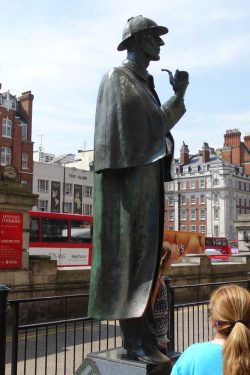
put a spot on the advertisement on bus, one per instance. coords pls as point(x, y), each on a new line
point(11, 239)
point(183, 243)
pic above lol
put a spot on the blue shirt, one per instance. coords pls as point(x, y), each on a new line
point(200, 359)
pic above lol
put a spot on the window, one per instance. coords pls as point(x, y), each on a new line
point(192, 184)
point(24, 131)
point(34, 229)
point(202, 184)
point(170, 186)
point(196, 168)
point(192, 228)
point(87, 209)
point(48, 158)
point(1, 100)
point(216, 230)
point(183, 200)
point(13, 104)
point(202, 229)
point(42, 205)
point(216, 182)
point(24, 160)
point(67, 207)
point(202, 199)
point(202, 214)
point(216, 213)
point(87, 191)
point(43, 185)
point(216, 198)
point(54, 230)
point(183, 228)
point(80, 231)
point(5, 155)
point(192, 199)
point(7, 127)
point(68, 190)
point(183, 185)
point(171, 227)
point(183, 214)
point(193, 214)
point(171, 201)
point(171, 215)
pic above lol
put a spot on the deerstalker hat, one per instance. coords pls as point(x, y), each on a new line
point(137, 24)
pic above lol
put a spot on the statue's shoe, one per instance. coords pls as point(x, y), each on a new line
point(152, 356)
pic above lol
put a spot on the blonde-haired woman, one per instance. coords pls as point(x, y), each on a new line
point(229, 352)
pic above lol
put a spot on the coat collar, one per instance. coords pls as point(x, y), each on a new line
point(138, 70)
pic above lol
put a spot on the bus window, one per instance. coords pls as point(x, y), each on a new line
point(34, 229)
point(208, 242)
point(54, 230)
point(224, 242)
point(80, 231)
point(218, 241)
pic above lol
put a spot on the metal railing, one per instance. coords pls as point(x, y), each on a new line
point(58, 346)
point(190, 322)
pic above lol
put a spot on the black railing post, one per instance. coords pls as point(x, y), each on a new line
point(3, 305)
point(170, 313)
point(15, 312)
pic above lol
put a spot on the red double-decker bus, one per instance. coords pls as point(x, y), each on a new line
point(66, 238)
point(217, 248)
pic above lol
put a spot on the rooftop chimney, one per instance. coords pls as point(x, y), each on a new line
point(184, 156)
point(232, 138)
point(205, 152)
point(247, 140)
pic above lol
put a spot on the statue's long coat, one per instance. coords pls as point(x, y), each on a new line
point(133, 153)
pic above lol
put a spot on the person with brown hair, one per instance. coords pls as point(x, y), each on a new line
point(229, 352)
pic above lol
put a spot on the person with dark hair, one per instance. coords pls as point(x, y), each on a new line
point(133, 155)
point(229, 352)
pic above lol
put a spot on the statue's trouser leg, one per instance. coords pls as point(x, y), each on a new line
point(139, 333)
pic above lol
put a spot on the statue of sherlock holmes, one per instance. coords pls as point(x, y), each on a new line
point(133, 155)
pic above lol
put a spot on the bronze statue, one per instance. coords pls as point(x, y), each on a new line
point(132, 158)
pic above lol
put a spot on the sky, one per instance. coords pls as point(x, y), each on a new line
point(60, 49)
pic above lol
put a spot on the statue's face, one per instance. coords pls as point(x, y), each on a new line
point(151, 43)
point(9, 172)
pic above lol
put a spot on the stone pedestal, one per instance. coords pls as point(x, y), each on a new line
point(15, 197)
point(116, 362)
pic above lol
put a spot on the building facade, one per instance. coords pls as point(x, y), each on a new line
point(16, 146)
point(207, 194)
point(62, 188)
point(235, 151)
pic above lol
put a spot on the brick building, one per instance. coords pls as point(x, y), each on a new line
point(16, 147)
point(235, 151)
point(209, 192)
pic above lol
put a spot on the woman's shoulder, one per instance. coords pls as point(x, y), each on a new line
point(199, 356)
point(203, 346)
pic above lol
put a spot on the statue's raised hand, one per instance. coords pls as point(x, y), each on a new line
point(179, 81)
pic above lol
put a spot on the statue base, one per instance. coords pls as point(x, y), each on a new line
point(115, 361)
